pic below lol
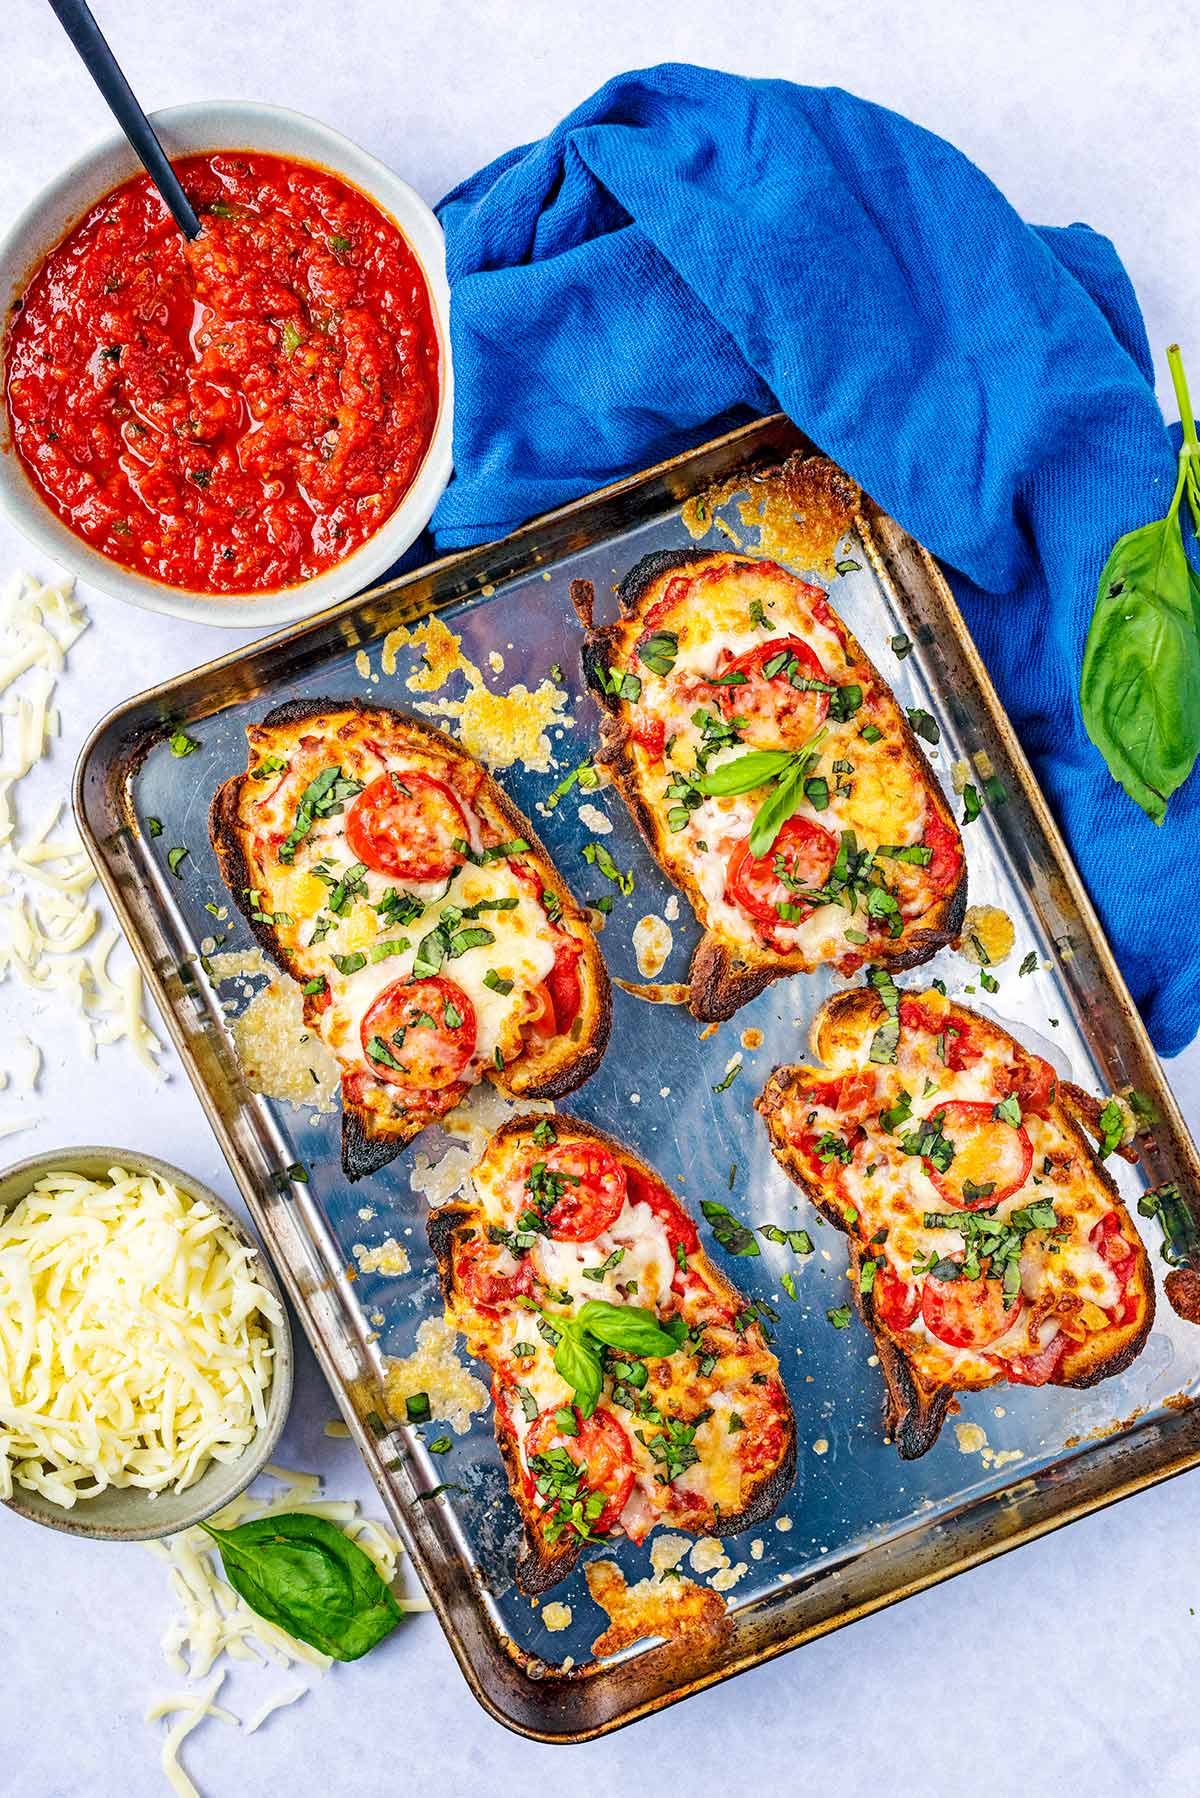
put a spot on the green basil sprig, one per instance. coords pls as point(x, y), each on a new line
point(307, 1577)
point(782, 770)
point(1140, 686)
point(630, 1329)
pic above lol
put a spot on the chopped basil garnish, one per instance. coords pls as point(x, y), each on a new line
point(181, 744)
point(599, 857)
point(924, 724)
point(734, 1237)
point(175, 858)
point(658, 652)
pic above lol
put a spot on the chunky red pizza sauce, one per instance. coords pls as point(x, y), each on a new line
point(236, 414)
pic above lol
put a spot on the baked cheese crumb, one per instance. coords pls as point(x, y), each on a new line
point(987, 936)
point(556, 1616)
point(598, 822)
point(652, 945)
point(971, 1438)
point(499, 728)
point(280, 1057)
point(708, 1554)
point(455, 1395)
point(667, 1551)
point(390, 1257)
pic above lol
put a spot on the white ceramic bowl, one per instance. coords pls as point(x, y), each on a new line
point(129, 1513)
point(189, 130)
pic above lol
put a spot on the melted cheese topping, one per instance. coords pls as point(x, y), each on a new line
point(727, 1384)
point(499, 977)
point(877, 788)
point(1066, 1284)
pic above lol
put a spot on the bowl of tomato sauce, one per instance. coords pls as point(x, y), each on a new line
point(243, 429)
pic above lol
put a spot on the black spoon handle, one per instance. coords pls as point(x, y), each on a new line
point(76, 20)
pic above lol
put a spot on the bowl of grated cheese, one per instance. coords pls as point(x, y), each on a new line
point(145, 1350)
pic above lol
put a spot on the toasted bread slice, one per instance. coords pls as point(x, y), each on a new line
point(701, 1438)
point(1002, 1180)
point(381, 866)
point(715, 655)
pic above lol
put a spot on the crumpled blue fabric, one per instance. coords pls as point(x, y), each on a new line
point(688, 249)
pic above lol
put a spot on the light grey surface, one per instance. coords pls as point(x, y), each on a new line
point(1069, 1665)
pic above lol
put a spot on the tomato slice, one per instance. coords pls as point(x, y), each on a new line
point(600, 1449)
point(967, 1313)
point(478, 1266)
point(803, 849)
point(562, 984)
point(413, 1022)
point(945, 864)
point(405, 825)
point(895, 1301)
point(1111, 1244)
point(778, 714)
point(1037, 1368)
point(589, 1184)
point(681, 1231)
point(1033, 1080)
point(987, 1152)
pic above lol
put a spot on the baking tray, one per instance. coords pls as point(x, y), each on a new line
point(859, 1528)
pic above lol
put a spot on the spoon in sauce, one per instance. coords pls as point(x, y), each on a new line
point(76, 19)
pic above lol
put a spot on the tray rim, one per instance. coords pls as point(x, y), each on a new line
point(883, 539)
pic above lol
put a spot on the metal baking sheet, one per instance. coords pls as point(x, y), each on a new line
point(859, 1528)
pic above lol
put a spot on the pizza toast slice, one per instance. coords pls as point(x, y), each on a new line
point(633, 1384)
point(770, 769)
point(383, 868)
point(988, 1242)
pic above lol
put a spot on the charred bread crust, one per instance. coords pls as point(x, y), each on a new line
point(539, 1567)
point(564, 1063)
point(724, 975)
point(915, 1409)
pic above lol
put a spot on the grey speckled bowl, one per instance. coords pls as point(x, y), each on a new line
point(127, 1513)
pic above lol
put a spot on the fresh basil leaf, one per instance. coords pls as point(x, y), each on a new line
point(747, 772)
point(306, 1576)
point(1140, 686)
point(630, 1328)
point(578, 1361)
point(775, 811)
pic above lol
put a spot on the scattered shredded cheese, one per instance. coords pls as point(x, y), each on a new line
point(133, 1349)
point(213, 1621)
point(53, 934)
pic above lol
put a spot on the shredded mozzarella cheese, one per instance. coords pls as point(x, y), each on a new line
point(133, 1349)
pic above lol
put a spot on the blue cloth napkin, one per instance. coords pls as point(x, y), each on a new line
point(689, 248)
